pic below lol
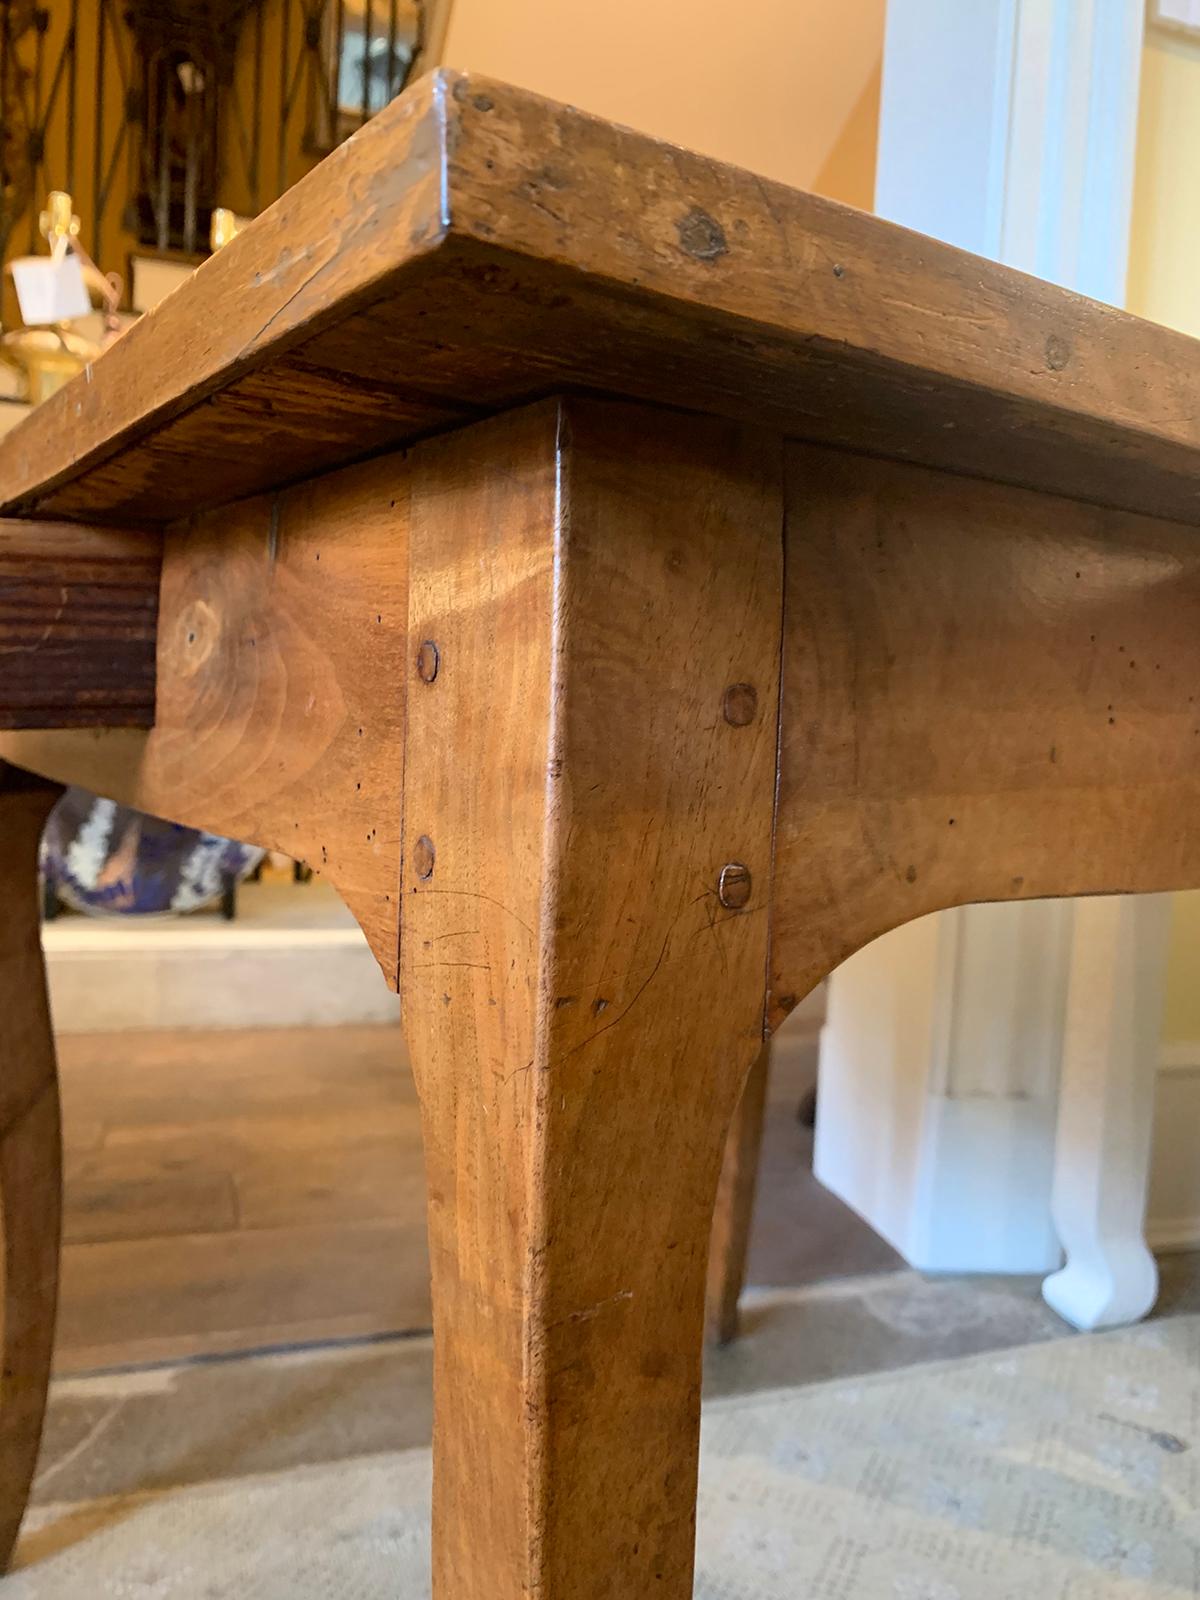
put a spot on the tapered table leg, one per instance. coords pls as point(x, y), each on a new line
point(30, 1149)
point(583, 960)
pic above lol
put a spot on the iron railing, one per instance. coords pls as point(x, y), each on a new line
point(151, 112)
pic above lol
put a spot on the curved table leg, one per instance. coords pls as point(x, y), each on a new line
point(735, 1205)
point(30, 1149)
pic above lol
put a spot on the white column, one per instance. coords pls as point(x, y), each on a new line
point(938, 1079)
point(1006, 127)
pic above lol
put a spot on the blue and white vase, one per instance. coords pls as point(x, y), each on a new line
point(109, 860)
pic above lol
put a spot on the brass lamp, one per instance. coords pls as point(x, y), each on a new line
point(47, 356)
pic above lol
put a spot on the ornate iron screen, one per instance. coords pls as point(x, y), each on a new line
point(152, 112)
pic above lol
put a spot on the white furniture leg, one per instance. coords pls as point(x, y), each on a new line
point(941, 1058)
point(1106, 1103)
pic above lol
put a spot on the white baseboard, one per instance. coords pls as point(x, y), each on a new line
point(215, 977)
point(1172, 1235)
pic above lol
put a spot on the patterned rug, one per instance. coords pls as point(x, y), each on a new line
point(1059, 1471)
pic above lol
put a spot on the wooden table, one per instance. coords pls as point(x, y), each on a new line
point(635, 585)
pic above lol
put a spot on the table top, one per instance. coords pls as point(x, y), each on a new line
point(476, 246)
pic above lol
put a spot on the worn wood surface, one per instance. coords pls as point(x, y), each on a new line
point(987, 695)
point(475, 246)
point(281, 677)
point(576, 1001)
point(734, 1210)
point(78, 609)
point(30, 1149)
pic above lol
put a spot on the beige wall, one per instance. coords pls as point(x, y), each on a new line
point(1182, 1024)
point(1164, 284)
point(1163, 279)
point(788, 88)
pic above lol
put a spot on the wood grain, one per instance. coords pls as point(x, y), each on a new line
point(987, 695)
point(30, 1150)
point(281, 677)
point(476, 246)
point(78, 610)
point(576, 1003)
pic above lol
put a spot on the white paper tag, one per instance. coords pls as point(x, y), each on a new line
point(50, 289)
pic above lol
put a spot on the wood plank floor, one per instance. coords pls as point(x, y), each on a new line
point(226, 1191)
point(231, 1191)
